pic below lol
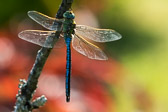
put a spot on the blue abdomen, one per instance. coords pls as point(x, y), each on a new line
point(68, 68)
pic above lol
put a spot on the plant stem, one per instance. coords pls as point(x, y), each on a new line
point(27, 89)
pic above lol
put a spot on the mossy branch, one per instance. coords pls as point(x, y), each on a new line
point(27, 88)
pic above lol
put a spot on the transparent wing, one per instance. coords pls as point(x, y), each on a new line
point(98, 35)
point(46, 21)
point(60, 42)
point(39, 37)
point(88, 49)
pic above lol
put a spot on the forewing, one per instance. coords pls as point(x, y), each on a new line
point(98, 35)
point(46, 21)
point(39, 37)
point(88, 49)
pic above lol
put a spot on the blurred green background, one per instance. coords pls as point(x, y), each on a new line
point(139, 58)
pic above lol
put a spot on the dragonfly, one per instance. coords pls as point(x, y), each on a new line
point(78, 34)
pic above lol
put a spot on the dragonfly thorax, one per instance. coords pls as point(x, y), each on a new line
point(69, 23)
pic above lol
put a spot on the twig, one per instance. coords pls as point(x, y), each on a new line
point(27, 89)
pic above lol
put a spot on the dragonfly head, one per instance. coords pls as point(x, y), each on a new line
point(69, 15)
